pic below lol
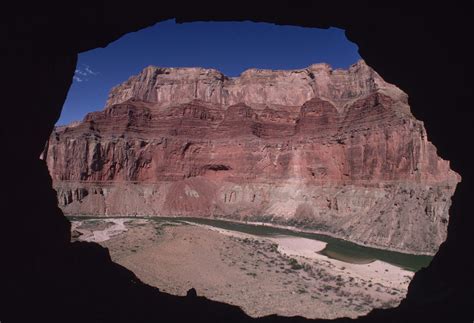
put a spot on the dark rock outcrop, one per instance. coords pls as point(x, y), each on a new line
point(420, 47)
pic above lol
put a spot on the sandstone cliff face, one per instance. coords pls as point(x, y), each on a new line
point(323, 149)
point(255, 87)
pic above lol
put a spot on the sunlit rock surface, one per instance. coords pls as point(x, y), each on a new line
point(330, 150)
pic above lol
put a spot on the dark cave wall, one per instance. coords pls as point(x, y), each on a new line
point(424, 49)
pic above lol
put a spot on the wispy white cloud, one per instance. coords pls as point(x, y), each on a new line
point(81, 74)
point(88, 70)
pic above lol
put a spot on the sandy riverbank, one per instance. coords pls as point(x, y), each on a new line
point(283, 275)
point(308, 250)
point(325, 233)
point(278, 226)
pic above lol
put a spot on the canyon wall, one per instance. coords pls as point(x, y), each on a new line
point(330, 150)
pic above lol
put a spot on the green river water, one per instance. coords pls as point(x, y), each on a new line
point(336, 248)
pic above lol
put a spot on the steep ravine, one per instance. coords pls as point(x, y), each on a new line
point(332, 150)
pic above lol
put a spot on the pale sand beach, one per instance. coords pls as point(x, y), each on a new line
point(308, 249)
point(378, 271)
point(263, 275)
point(111, 228)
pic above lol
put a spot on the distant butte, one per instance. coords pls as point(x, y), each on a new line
point(331, 150)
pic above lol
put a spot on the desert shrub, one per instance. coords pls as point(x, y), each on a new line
point(274, 247)
point(294, 264)
point(327, 287)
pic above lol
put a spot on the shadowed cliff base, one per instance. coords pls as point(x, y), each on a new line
point(46, 278)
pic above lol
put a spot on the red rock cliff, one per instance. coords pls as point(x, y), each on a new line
point(332, 150)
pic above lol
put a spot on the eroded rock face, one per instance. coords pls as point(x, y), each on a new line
point(255, 87)
point(332, 150)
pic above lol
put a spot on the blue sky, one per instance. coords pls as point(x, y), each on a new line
point(231, 47)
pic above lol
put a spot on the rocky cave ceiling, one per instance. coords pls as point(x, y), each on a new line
point(424, 49)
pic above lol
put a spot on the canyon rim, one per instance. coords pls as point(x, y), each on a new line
point(331, 150)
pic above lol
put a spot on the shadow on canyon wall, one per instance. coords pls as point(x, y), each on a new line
point(422, 48)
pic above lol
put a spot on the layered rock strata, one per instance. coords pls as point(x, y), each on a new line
point(330, 150)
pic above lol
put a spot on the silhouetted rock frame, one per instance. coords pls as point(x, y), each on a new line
point(424, 48)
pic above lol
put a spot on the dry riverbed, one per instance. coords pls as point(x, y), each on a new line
point(282, 275)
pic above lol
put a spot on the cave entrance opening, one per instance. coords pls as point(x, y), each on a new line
point(326, 159)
